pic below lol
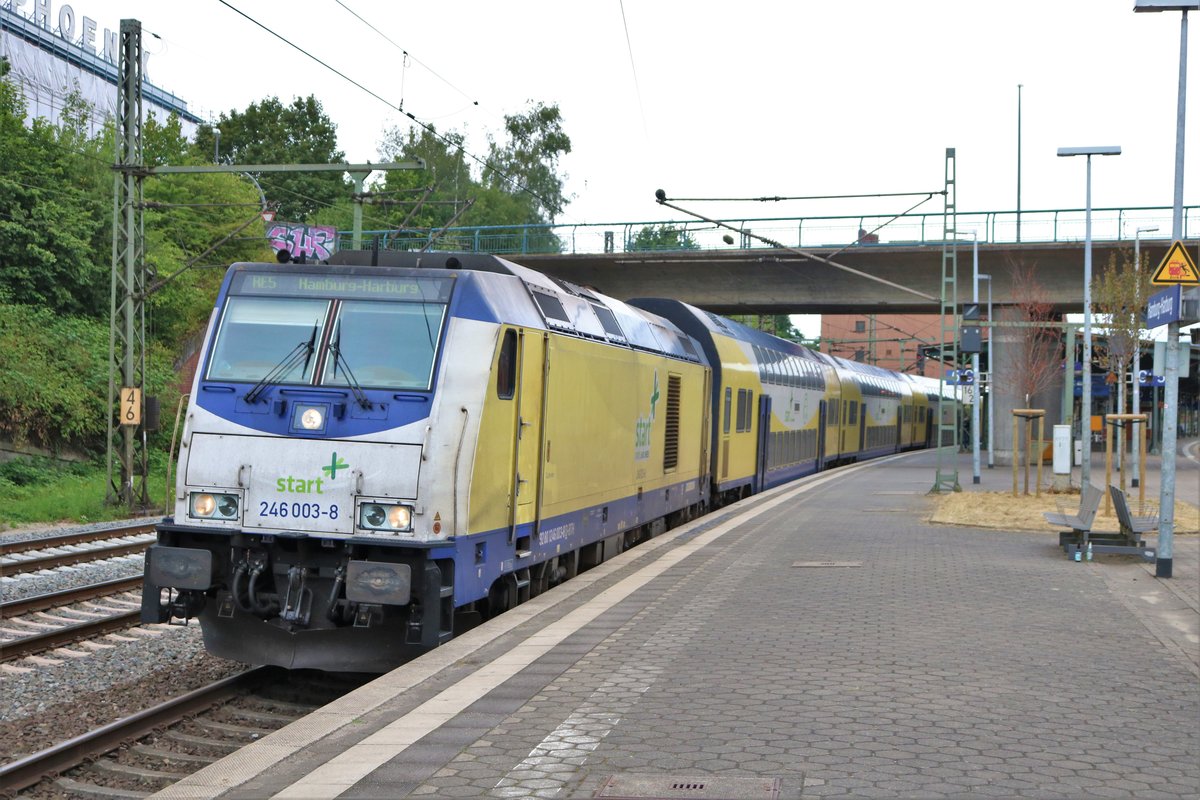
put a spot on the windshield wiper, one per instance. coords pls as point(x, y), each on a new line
point(289, 362)
point(339, 360)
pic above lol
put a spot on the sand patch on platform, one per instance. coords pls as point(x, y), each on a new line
point(1002, 510)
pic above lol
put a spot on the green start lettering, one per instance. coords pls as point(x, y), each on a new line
point(299, 485)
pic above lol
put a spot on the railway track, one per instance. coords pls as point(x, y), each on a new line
point(66, 626)
point(69, 548)
point(147, 751)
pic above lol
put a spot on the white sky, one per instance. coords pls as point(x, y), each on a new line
point(757, 98)
point(707, 99)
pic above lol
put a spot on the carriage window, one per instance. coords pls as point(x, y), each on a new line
point(506, 367)
point(728, 406)
point(744, 410)
point(385, 345)
point(260, 334)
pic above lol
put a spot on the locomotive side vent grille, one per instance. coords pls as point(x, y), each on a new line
point(671, 448)
point(660, 787)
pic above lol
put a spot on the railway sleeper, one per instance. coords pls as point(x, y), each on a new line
point(111, 767)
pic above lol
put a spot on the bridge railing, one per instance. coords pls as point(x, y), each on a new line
point(998, 227)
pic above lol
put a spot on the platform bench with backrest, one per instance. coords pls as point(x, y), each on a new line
point(1129, 540)
point(1079, 523)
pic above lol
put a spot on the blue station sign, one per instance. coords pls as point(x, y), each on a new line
point(1165, 307)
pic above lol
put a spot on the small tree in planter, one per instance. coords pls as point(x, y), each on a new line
point(1033, 358)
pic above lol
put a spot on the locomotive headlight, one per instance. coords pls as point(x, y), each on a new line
point(400, 517)
point(373, 516)
point(208, 505)
point(309, 417)
point(312, 419)
point(227, 505)
point(203, 505)
point(385, 517)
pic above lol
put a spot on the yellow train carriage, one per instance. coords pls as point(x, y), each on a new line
point(585, 446)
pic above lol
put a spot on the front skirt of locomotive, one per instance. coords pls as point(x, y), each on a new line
point(300, 601)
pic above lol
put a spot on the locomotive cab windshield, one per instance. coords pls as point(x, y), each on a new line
point(353, 331)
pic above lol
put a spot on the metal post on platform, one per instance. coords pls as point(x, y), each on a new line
point(991, 381)
point(975, 417)
point(1137, 346)
point(1166, 527)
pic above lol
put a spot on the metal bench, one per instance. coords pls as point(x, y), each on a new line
point(1129, 540)
point(1079, 523)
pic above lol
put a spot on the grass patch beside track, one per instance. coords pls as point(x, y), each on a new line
point(40, 491)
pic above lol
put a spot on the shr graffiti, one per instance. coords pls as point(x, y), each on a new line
point(315, 242)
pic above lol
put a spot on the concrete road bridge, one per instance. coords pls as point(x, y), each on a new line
point(698, 265)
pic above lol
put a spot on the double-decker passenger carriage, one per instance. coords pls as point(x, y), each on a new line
point(375, 457)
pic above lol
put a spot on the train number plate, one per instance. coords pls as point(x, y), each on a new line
point(298, 510)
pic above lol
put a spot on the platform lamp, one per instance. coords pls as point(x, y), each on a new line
point(1085, 430)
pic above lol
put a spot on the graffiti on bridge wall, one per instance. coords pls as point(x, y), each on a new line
point(307, 242)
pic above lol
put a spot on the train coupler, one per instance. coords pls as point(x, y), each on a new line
point(298, 601)
point(182, 606)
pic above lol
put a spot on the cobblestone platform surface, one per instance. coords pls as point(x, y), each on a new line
point(821, 640)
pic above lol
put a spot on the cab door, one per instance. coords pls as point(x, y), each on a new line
point(529, 434)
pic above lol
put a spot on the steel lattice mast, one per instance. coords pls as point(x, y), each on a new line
point(127, 463)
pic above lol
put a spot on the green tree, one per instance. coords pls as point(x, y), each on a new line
point(663, 237)
point(1119, 293)
point(518, 184)
point(269, 132)
point(527, 163)
point(50, 216)
point(426, 198)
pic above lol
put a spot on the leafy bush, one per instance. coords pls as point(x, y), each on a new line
point(35, 470)
point(54, 379)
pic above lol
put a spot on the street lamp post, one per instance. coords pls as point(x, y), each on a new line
point(1085, 472)
point(1135, 455)
point(216, 145)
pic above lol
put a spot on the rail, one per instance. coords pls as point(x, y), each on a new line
point(1061, 226)
point(25, 772)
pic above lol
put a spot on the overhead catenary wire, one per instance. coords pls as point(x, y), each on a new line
point(637, 88)
point(661, 197)
point(407, 55)
point(515, 183)
point(777, 198)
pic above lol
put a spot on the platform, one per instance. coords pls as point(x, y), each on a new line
point(819, 640)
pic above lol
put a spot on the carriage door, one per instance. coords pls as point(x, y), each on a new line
point(532, 366)
point(822, 410)
point(862, 426)
point(764, 440)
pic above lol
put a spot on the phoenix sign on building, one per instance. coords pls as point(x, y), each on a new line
point(53, 49)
